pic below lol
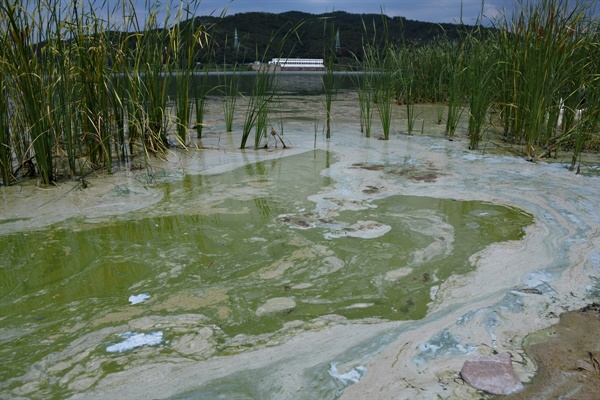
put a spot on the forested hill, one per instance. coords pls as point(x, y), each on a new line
point(260, 34)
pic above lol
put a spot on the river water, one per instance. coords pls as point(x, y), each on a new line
point(317, 271)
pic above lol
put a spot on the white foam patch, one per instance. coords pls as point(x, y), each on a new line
point(139, 298)
point(352, 376)
point(538, 278)
point(362, 229)
point(360, 305)
point(134, 340)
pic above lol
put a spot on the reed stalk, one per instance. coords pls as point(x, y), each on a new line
point(385, 90)
point(543, 42)
point(455, 70)
point(329, 78)
point(264, 89)
point(481, 77)
point(365, 84)
point(5, 145)
point(184, 39)
point(230, 95)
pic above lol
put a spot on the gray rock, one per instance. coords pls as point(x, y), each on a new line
point(492, 374)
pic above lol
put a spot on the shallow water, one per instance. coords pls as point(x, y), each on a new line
point(294, 273)
point(222, 264)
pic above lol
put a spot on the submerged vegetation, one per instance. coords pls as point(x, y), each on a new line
point(81, 91)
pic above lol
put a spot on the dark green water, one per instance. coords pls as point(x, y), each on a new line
point(222, 246)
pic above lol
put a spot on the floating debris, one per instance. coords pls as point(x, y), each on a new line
point(349, 377)
point(133, 340)
point(138, 298)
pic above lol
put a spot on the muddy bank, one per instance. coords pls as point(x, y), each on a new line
point(567, 356)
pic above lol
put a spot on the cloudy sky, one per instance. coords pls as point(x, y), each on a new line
point(423, 10)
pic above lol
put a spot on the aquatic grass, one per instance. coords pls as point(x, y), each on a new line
point(365, 88)
point(379, 58)
point(542, 42)
point(29, 90)
point(200, 91)
point(455, 68)
point(184, 38)
point(257, 112)
point(264, 87)
point(480, 80)
point(5, 145)
point(406, 84)
point(229, 101)
point(230, 95)
point(384, 83)
point(80, 92)
point(329, 79)
point(365, 99)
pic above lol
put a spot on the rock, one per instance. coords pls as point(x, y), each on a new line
point(492, 374)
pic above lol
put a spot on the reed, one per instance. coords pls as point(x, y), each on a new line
point(543, 43)
point(481, 77)
point(230, 95)
point(329, 78)
point(79, 93)
point(200, 91)
point(264, 88)
point(5, 145)
point(455, 68)
point(406, 83)
point(365, 87)
point(184, 38)
point(257, 108)
point(385, 90)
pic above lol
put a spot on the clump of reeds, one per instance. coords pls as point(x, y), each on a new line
point(230, 95)
point(264, 90)
point(545, 47)
point(84, 87)
point(365, 87)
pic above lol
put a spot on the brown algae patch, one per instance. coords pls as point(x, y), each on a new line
point(118, 316)
point(188, 301)
point(425, 173)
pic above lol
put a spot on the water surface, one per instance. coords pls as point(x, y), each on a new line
point(226, 263)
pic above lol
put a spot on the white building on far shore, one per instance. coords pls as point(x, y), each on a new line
point(296, 64)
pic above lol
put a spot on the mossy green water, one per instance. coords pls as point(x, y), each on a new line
point(224, 246)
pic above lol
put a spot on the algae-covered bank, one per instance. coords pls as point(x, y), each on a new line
point(351, 267)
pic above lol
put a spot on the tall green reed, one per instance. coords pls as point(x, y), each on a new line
point(264, 88)
point(184, 38)
point(541, 40)
point(480, 80)
point(384, 95)
point(81, 92)
point(5, 145)
point(329, 77)
point(365, 85)
point(455, 68)
point(230, 94)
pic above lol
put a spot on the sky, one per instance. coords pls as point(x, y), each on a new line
point(421, 10)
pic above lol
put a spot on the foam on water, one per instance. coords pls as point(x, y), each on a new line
point(138, 298)
point(349, 377)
